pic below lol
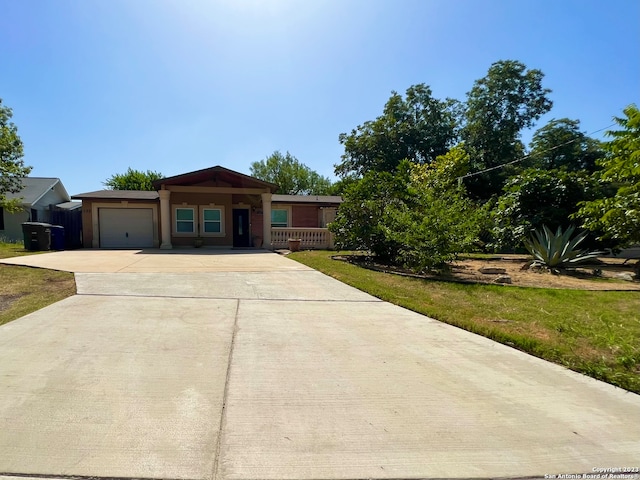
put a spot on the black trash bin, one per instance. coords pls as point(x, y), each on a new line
point(57, 237)
point(37, 236)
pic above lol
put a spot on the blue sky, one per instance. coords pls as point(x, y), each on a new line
point(98, 86)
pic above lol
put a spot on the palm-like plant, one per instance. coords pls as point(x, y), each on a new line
point(557, 251)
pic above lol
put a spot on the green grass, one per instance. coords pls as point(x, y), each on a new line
point(24, 290)
point(593, 332)
point(10, 249)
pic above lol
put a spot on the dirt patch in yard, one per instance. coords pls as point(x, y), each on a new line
point(605, 275)
point(6, 301)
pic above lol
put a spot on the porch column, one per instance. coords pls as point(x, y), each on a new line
point(266, 220)
point(165, 218)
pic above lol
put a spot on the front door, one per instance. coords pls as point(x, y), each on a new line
point(241, 236)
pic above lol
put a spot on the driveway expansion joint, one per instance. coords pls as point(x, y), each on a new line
point(258, 299)
point(223, 423)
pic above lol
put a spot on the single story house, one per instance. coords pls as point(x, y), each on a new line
point(214, 207)
point(39, 198)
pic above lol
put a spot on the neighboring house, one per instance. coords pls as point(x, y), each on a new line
point(39, 197)
point(216, 207)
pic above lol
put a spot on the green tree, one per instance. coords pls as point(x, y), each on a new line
point(618, 214)
point(133, 180)
point(291, 176)
point(444, 172)
point(340, 186)
point(561, 144)
point(401, 219)
point(507, 100)
point(360, 221)
point(12, 167)
point(417, 127)
point(538, 197)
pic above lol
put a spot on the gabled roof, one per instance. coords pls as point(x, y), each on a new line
point(216, 175)
point(119, 195)
point(307, 198)
point(34, 188)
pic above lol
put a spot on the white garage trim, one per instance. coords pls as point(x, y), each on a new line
point(95, 207)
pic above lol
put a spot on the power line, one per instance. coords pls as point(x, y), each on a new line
point(502, 165)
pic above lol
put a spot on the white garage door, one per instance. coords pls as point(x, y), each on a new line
point(126, 227)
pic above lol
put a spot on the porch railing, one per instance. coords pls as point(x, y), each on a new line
point(312, 238)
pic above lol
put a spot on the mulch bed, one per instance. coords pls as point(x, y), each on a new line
point(603, 275)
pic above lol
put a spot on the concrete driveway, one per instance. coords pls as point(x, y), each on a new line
point(243, 365)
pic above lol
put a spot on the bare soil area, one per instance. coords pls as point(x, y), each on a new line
point(605, 275)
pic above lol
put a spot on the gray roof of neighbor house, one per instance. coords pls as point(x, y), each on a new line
point(307, 198)
point(34, 188)
point(69, 205)
point(119, 194)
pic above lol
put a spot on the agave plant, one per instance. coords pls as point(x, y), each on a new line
point(557, 251)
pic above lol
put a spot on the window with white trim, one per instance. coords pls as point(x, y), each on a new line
point(211, 220)
point(185, 220)
point(280, 217)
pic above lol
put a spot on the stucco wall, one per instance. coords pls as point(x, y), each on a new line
point(87, 231)
point(90, 230)
point(223, 201)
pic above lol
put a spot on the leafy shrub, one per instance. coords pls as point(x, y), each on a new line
point(402, 219)
point(361, 218)
point(539, 197)
point(617, 215)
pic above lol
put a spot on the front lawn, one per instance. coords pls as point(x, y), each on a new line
point(9, 249)
point(593, 332)
point(24, 289)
